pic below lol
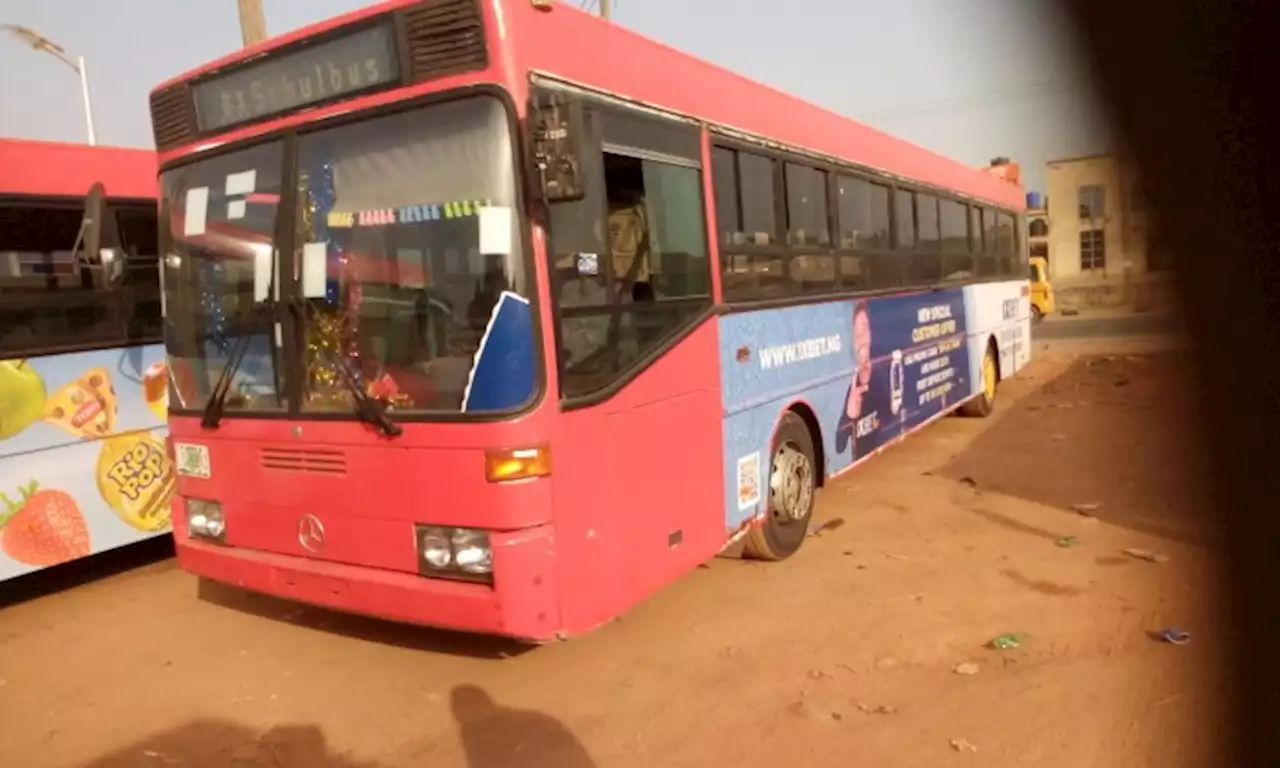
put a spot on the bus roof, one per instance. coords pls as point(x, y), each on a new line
point(55, 169)
point(583, 48)
point(579, 47)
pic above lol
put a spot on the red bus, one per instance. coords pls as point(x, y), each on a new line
point(82, 382)
point(524, 315)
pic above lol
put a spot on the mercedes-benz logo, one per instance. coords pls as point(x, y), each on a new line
point(311, 533)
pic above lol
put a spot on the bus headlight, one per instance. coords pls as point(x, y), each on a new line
point(471, 553)
point(433, 547)
point(205, 520)
point(458, 553)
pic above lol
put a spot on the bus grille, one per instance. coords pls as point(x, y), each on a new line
point(173, 118)
point(318, 462)
point(445, 37)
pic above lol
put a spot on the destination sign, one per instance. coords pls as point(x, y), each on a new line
point(277, 84)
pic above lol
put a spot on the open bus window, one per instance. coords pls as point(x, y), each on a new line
point(48, 304)
point(654, 276)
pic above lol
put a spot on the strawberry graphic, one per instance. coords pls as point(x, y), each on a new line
point(43, 528)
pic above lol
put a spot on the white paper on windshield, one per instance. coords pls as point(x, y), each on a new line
point(235, 209)
point(262, 274)
point(241, 183)
point(197, 210)
point(496, 224)
point(315, 270)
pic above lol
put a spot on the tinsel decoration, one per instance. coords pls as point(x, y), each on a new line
point(214, 314)
point(326, 343)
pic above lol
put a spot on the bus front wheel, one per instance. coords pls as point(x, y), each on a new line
point(793, 484)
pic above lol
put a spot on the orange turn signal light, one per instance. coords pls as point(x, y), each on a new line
point(506, 464)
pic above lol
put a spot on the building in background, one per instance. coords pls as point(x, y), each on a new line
point(1098, 237)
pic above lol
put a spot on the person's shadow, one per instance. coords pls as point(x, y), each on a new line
point(494, 736)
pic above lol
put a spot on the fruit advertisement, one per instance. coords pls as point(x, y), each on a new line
point(83, 466)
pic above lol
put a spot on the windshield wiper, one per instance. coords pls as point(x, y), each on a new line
point(367, 408)
point(217, 398)
point(213, 409)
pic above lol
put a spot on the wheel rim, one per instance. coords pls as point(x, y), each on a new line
point(989, 376)
point(791, 483)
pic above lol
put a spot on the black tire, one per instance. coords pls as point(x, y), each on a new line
point(984, 403)
point(1036, 315)
point(791, 498)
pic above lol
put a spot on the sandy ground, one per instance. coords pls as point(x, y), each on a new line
point(844, 655)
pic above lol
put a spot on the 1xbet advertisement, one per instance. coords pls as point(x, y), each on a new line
point(869, 370)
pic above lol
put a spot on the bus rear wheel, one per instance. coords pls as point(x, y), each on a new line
point(793, 485)
point(981, 406)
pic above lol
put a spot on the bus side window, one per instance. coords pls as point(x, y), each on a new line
point(630, 259)
point(49, 304)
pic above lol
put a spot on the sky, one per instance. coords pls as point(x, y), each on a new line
point(971, 79)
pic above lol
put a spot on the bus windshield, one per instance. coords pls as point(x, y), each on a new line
point(405, 241)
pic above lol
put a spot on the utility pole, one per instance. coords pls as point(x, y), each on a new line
point(606, 9)
point(253, 24)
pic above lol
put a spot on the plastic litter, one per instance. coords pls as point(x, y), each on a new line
point(1067, 541)
point(1174, 636)
point(1007, 641)
point(1146, 554)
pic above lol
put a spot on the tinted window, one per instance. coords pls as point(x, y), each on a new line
point(50, 303)
point(724, 175)
point(955, 226)
point(806, 206)
point(904, 219)
point(956, 261)
point(989, 261)
point(926, 222)
point(759, 211)
point(1007, 239)
point(863, 213)
point(924, 266)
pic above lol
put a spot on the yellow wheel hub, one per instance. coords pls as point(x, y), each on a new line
point(989, 376)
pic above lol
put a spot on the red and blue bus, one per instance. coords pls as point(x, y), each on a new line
point(83, 389)
point(491, 315)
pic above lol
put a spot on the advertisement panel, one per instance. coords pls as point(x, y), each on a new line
point(83, 466)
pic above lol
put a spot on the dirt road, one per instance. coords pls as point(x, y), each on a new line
point(844, 655)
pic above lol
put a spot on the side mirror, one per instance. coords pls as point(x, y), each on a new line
point(98, 244)
point(556, 133)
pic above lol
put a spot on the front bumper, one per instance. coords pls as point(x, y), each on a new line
point(521, 603)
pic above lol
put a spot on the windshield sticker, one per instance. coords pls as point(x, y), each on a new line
point(496, 225)
point(235, 209)
point(502, 373)
point(193, 460)
point(242, 183)
point(196, 211)
point(315, 270)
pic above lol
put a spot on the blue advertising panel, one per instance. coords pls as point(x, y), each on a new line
point(83, 466)
point(868, 369)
